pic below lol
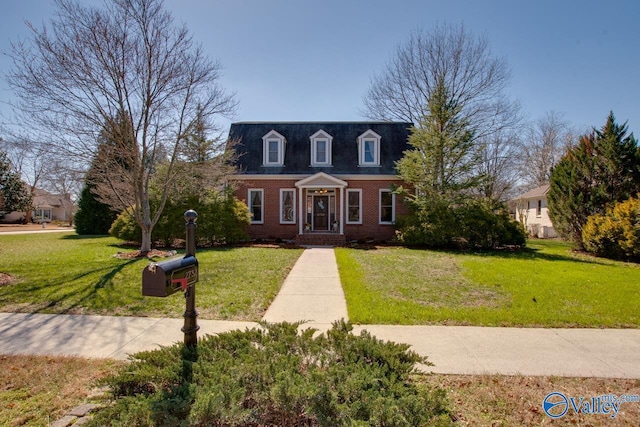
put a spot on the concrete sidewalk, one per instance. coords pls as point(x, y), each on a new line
point(312, 292)
point(96, 336)
point(607, 353)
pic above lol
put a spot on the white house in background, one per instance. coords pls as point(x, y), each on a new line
point(532, 211)
point(47, 207)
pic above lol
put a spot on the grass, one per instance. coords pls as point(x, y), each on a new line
point(36, 391)
point(500, 400)
point(69, 274)
point(545, 285)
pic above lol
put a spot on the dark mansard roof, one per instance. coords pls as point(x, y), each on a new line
point(297, 157)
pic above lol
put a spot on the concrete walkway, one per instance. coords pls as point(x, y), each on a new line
point(312, 292)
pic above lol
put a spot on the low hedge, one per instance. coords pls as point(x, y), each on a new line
point(275, 376)
point(438, 224)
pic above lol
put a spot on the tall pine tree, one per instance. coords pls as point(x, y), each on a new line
point(93, 216)
point(603, 168)
point(110, 168)
point(444, 154)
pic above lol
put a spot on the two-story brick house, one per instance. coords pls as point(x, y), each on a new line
point(320, 182)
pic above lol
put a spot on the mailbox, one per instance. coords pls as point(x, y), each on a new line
point(160, 279)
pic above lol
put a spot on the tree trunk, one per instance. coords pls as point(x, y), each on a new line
point(145, 246)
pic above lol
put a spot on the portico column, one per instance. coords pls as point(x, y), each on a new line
point(342, 210)
point(300, 219)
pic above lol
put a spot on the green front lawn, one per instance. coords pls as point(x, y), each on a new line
point(545, 285)
point(66, 273)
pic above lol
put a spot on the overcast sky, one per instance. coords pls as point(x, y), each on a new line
point(314, 59)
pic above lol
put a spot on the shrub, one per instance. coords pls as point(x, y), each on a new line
point(466, 226)
point(221, 220)
point(125, 228)
point(275, 376)
point(615, 234)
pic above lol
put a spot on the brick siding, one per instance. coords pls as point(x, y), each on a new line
point(272, 229)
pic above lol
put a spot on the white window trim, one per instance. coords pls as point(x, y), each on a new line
point(250, 204)
point(321, 135)
point(359, 191)
point(282, 191)
point(393, 207)
point(369, 136)
point(273, 136)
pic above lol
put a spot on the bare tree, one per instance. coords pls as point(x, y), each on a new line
point(542, 146)
point(31, 161)
point(498, 166)
point(451, 55)
point(93, 69)
point(64, 178)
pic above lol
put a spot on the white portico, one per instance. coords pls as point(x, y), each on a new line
point(320, 204)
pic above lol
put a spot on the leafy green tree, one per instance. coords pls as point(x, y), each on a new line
point(602, 169)
point(14, 194)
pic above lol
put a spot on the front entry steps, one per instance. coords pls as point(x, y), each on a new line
point(321, 239)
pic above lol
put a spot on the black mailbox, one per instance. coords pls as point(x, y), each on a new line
point(160, 279)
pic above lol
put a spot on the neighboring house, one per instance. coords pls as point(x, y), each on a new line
point(320, 182)
point(532, 211)
point(47, 207)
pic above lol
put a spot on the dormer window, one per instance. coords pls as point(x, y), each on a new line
point(273, 149)
point(321, 148)
point(369, 149)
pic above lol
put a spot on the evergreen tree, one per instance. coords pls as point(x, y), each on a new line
point(604, 168)
point(93, 216)
point(443, 170)
point(111, 167)
point(203, 167)
point(196, 147)
point(443, 155)
point(14, 194)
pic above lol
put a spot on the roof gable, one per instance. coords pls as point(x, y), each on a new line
point(536, 193)
point(320, 180)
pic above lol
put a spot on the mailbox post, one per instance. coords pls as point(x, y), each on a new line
point(161, 279)
point(190, 327)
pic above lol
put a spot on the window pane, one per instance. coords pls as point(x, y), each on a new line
point(321, 151)
point(256, 205)
point(287, 206)
point(369, 155)
point(386, 206)
point(273, 152)
point(353, 203)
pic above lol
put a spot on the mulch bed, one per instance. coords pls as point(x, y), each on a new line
point(5, 279)
point(154, 253)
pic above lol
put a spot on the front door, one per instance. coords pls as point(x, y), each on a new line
point(321, 213)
